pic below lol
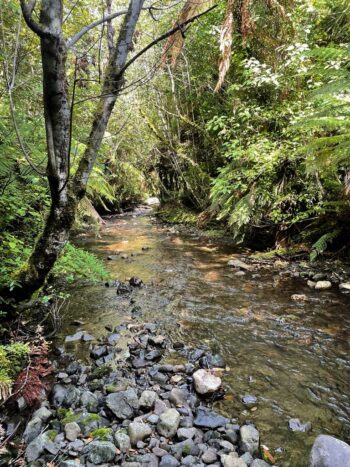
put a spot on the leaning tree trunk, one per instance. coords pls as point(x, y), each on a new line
point(66, 194)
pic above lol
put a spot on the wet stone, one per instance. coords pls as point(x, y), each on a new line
point(296, 425)
point(206, 418)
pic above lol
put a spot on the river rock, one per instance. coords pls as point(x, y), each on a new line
point(101, 452)
point(205, 382)
point(344, 286)
point(138, 432)
point(168, 423)
point(299, 297)
point(206, 418)
point(249, 439)
point(210, 456)
point(58, 394)
point(328, 451)
point(259, 463)
point(74, 337)
point(169, 461)
point(186, 433)
point(296, 425)
point(212, 361)
point(179, 397)
point(323, 285)
point(232, 460)
point(35, 425)
point(122, 441)
point(248, 399)
point(135, 281)
point(123, 403)
point(148, 399)
point(72, 431)
point(237, 263)
point(36, 447)
point(89, 401)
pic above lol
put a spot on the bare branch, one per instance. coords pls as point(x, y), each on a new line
point(90, 26)
point(27, 11)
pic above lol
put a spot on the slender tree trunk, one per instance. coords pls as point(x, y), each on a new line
point(66, 195)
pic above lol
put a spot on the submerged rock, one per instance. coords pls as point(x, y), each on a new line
point(296, 425)
point(237, 263)
point(328, 451)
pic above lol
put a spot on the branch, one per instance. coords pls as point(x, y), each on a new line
point(27, 11)
point(179, 27)
point(90, 26)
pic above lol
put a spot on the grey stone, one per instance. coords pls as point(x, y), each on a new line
point(168, 423)
point(33, 429)
point(328, 451)
point(148, 399)
point(89, 401)
point(74, 337)
point(210, 456)
point(259, 463)
point(72, 431)
point(169, 461)
point(237, 263)
point(296, 425)
point(247, 458)
point(153, 419)
point(209, 419)
point(189, 461)
point(186, 433)
point(36, 447)
point(122, 441)
point(184, 448)
point(101, 452)
point(58, 394)
point(179, 397)
point(232, 460)
point(249, 439)
point(138, 432)
point(123, 403)
point(249, 399)
point(72, 397)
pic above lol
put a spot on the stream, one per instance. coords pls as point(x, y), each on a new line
point(293, 356)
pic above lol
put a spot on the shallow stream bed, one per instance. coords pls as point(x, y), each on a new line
point(293, 356)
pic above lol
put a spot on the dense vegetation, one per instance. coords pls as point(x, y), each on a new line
point(262, 148)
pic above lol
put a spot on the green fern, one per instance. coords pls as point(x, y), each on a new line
point(319, 247)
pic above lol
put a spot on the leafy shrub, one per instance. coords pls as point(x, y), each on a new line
point(76, 263)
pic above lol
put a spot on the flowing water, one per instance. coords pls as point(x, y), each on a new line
point(294, 357)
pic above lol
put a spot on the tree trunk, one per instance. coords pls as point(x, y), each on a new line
point(65, 195)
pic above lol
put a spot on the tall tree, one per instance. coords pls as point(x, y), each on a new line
point(67, 190)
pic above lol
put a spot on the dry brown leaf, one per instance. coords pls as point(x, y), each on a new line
point(225, 44)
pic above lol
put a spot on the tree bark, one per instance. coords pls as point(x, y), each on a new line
point(66, 195)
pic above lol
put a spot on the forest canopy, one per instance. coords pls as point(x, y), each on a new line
point(242, 116)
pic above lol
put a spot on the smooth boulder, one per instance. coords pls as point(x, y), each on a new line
point(328, 451)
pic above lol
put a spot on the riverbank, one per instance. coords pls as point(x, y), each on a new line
point(128, 405)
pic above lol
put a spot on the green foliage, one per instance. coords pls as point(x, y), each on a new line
point(77, 263)
point(102, 434)
point(12, 359)
point(322, 243)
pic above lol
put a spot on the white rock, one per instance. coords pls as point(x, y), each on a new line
point(237, 263)
point(72, 431)
point(299, 298)
point(168, 423)
point(311, 284)
point(205, 382)
point(323, 285)
point(344, 286)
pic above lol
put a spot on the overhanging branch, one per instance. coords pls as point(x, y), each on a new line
point(27, 11)
point(178, 27)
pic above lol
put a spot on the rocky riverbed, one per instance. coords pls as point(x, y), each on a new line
point(129, 406)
